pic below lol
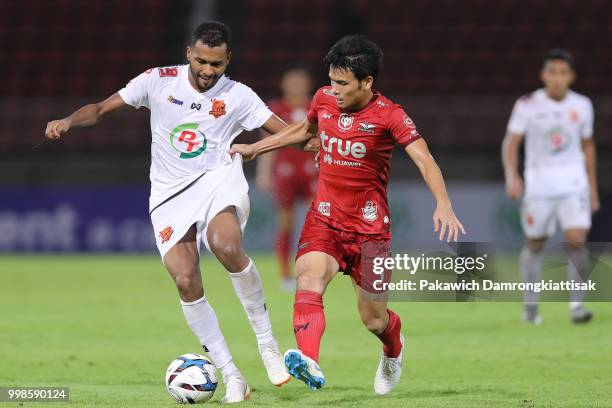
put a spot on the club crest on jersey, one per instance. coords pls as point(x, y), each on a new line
point(175, 101)
point(557, 140)
point(366, 127)
point(370, 211)
point(218, 108)
point(166, 234)
point(188, 140)
point(345, 122)
point(325, 208)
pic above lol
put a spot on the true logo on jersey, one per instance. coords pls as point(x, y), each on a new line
point(188, 140)
point(366, 127)
point(218, 108)
point(175, 101)
point(166, 234)
point(196, 106)
point(325, 208)
point(370, 211)
point(345, 148)
point(345, 122)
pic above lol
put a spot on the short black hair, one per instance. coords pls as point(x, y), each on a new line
point(213, 34)
point(355, 53)
point(560, 54)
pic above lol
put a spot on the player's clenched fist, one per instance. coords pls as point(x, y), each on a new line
point(56, 128)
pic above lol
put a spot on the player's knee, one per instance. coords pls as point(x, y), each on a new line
point(575, 238)
point(375, 324)
point(536, 245)
point(188, 284)
point(308, 281)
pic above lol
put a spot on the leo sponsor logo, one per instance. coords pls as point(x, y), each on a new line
point(370, 211)
point(218, 108)
point(188, 140)
point(168, 72)
point(166, 234)
point(345, 122)
point(175, 101)
point(325, 208)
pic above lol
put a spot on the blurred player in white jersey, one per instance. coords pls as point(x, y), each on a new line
point(560, 175)
point(199, 195)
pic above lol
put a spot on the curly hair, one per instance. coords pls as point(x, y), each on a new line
point(213, 34)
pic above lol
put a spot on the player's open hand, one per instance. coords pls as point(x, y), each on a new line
point(56, 128)
point(446, 223)
point(514, 187)
point(246, 150)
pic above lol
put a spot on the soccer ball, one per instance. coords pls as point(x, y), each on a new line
point(191, 378)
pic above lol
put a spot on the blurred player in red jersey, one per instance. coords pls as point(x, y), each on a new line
point(357, 128)
point(277, 172)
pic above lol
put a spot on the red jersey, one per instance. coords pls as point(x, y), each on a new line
point(289, 160)
point(354, 161)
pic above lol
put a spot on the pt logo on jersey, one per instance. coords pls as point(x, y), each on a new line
point(218, 108)
point(557, 140)
point(166, 234)
point(345, 122)
point(188, 140)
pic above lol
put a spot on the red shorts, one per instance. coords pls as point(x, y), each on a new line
point(294, 181)
point(354, 252)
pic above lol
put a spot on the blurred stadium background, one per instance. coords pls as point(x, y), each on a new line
point(457, 67)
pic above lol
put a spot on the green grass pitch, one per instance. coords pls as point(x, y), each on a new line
point(107, 327)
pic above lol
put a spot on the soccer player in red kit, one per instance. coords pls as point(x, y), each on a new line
point(357, 128)
point(277, 172)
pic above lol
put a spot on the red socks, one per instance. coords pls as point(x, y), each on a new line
point(390, 338)
point(282, 252)
point(308, 322)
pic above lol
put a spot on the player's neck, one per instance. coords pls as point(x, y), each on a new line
point(556, 96)
point(362, 103)
point(296, 101)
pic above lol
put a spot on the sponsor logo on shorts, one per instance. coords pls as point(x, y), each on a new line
point(175, 101)
point(166, 234)
point(345, 122)
point(370, 211)
point(386, 219)
point(218, 108)
point(325, 208)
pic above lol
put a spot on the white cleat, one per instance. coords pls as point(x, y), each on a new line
point(275, 366)
point(389, 372)
point(236, 390)
point(304, 369)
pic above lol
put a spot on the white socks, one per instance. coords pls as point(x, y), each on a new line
point(249, 290)
point(203, 322)
point(578, 270)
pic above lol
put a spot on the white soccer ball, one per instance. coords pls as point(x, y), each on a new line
point(191, 378)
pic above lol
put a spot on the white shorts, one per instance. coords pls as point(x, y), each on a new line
point(199, 203)
point(539, 214)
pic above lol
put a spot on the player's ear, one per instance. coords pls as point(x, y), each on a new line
point(188, 54)
point(229, 57)
point(368, 82)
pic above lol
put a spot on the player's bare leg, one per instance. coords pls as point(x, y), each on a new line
point(578, 270)
point(283, 246)
point(386, 325)
point(531, 266)
point(225, 239)
point(182, 262)
point(314, 270)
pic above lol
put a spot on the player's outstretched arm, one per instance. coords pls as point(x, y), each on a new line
point(88, 115)
point(590, 155)
point(510, 159)
point(444, 219)
point(294, 134)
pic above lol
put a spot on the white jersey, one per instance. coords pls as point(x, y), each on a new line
point(191, 131)
point(554, 160)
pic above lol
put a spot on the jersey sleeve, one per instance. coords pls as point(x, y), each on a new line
point(586, 131)
point(136, 92)
point(313, 111)
point(401, 128)
point(518, 119)
point(255, 112)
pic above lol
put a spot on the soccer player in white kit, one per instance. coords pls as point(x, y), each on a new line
point(560, 175)
point(199, 195)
